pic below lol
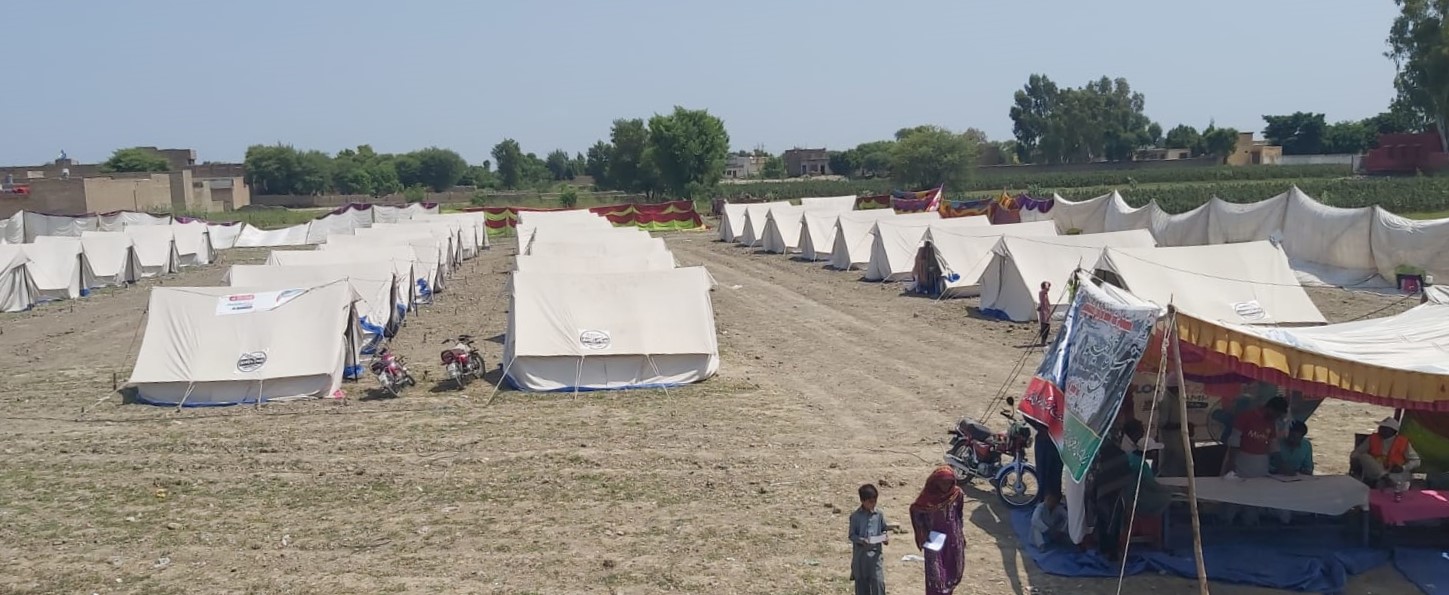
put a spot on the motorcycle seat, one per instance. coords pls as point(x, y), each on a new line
point(974, 430)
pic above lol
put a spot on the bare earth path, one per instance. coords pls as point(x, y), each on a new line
point(737, 485)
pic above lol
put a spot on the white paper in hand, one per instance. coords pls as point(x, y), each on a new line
point(935, 541)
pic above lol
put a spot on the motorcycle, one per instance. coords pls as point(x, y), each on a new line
point(978, 452)
point(462, 360)
point(391, 372)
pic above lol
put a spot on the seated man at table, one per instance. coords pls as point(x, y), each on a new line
point(1150, 496)
point(1295, 452)
point(1250, 448)
point(1385, 458)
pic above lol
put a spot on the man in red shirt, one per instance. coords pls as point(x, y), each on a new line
point(1250, 448)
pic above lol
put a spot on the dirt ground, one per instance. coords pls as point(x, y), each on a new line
point(741, 484)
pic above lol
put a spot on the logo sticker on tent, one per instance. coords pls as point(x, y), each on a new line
point(244, 303)
point(595, 340)
point(1250, 310)
point(251, 362)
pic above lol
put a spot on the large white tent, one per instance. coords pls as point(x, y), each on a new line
point(58, 268)
point(155, 247)
point(1020, 264)
point(613, 247)
point(406, 267)
point(378, 308)
point(560, 265)
point(1248, 283)
point(853, 237)
point(732, 222)
point(782, 229)
point(611, 331)
point(231, 345)
point(17, 291)
point(895, 242)
point(817, 230)
point(112, 257)
point(528, 221)
point(962, 254)
point(754, 224)
point(833, 204)
point(193, 243)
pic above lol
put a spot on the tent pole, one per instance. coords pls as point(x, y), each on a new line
point(1202, 582)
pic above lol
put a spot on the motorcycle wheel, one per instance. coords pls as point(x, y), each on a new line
point(1019, 486)
point(477, 367)
point(408, 379)
point(456, 372)
point(390, 385)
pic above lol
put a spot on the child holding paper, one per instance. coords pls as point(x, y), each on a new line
point(867, 535)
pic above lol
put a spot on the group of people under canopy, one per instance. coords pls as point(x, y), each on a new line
point(1264, 441)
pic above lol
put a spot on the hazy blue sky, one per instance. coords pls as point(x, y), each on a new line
point(327, 74)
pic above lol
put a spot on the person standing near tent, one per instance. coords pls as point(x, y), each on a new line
point(1386, 458)
point(1044, 310)
point(936, 518)
point(867, 528)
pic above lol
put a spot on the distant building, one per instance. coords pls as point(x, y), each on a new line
point(1254, 152)
point(740, 167)
point(807, 162)
point(1163, 154)
point(65, 187)
point(1407, 154)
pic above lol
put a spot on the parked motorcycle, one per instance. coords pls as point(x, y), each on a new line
point(462, 360)
point(978, 452)
point(391, 372)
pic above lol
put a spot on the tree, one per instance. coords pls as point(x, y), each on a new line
point(1182, 136)
point(349, 174)
point(930, 156)
point(875, 157)
point(1154, 133)
point(409, 170)
point(596, 163)
point(1034, 103)
point(1299, 133)
point(135, 159)
point(314, 173)
point(1349, 137)
point(1400, 118)
point(559, 165)
point(628, 170)
point(578, 165)
point(569, 198)
point(535, 171)
point(845, 163)
point(774, 168)
point(509, 158)
point(271, 168)
point(1419, 47)
point(1217, 142)
point(690, 148)
point(478, 176)
point(439, 169)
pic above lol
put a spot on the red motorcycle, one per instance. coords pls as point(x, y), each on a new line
point(390, 371)
point(978, 451)
point(462, 360)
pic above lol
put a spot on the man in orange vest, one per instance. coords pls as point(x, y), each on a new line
point(1386, 457)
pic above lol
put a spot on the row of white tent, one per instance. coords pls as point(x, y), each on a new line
point(594, 307)
point(300, 324)
point(1249, 282)
point(62, 267)
point(51, 257)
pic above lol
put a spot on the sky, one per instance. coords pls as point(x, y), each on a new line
point(218, 76)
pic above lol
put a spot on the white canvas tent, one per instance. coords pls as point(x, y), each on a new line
point(554, 235)
point(616, 247)
point(528, 221)
point(1020, 264)
point(406, 268)
point(853, 238)
point(962, 254)
point(613, 331)
point(830, 204)
point(895, 242)
point(652, 261)
point(782, 229)
point(753, 231)
point(732, 222)
point(58, 268)
point(378, 307)
point(17, 291)
point(817, 230)
point(1248, 283)
point(112, 257)
point(155, 247)
point(193, 244)
point(232, 345)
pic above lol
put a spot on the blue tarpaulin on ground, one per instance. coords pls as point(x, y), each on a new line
point(1427, 568)
point(1315, 559)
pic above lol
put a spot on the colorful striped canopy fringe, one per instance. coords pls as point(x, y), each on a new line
point(1313, 374)
point(668, 216)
